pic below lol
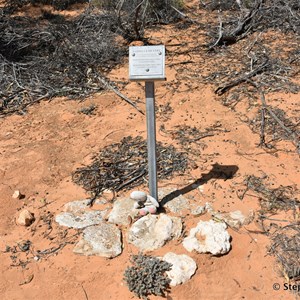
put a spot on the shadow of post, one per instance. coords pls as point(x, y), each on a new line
point(218, 171)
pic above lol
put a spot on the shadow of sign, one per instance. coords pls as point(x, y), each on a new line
point(218, 172)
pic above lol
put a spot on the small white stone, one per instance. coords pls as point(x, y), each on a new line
point(198, 210)
point(183, 268)
point(151, 201)
point(138, 196)
point(25, 218)
point(208, 207)
point(176, 205)
point(17, 194)
point(136, 205)
point(201, 188)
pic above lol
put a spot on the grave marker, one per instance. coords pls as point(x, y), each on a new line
point(147, 63)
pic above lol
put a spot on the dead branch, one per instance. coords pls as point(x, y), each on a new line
point(182, 63)
point(222, 89)
point(117, 92)
point(220, 35)
point(244, 26)
point(265, 106)
point(27, 280)
point(262, 129)
point(184, 15)
point(296, 139)
point(85, 293)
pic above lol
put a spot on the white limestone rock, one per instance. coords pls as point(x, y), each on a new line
point(101, 240)
point(176, 205)
point(235, 219)
point(78, 215)
point(183, 268)
point(208, 237)
point(197, 210)
point(153, 231)
point(123, 209)
point(80, 205)
point(176, 227)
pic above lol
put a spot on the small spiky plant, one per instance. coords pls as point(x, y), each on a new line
point(147, 276)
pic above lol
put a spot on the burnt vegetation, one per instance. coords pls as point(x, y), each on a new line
point(284, 234)
point(240, 18)
point(242, 40)
point(285, 247)
point(123, 165)
point(42, 59)
point(50, 55)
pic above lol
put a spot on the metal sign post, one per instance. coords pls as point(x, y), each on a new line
point(151, 138)
point(147, 63)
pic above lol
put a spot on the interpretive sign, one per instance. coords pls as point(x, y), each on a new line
point(147, 63)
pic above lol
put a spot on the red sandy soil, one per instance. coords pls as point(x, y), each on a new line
point(40, 150)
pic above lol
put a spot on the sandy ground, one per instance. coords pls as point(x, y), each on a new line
point(40, 149)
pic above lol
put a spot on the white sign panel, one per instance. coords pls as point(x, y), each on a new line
point(147, 63)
